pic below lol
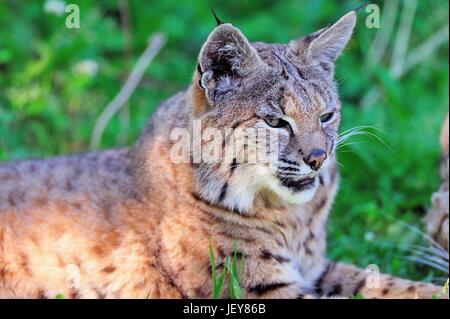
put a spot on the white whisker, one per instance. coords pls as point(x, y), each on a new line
point(427, 262)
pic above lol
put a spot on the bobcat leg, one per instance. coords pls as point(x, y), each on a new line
point(345, 280)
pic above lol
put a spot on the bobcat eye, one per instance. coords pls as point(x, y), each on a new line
point(276, 122)
point(326, 117)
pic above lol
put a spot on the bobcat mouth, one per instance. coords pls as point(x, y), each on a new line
point(298, 185)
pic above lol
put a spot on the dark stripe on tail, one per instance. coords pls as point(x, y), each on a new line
point(319, 290)
point(359, 286)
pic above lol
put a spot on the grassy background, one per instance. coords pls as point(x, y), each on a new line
point(49, 100)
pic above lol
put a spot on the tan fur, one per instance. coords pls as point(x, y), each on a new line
point(437, 219)
point(132, 223)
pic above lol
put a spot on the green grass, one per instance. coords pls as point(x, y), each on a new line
point(231, 268)
point(49, 105)
point(357, 296)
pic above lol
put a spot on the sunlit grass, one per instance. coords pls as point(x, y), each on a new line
point(232, 268)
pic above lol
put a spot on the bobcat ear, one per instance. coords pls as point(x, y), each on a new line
point(324, 46)
point(224, 60)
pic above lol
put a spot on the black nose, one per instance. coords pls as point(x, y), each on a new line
point(316, 158)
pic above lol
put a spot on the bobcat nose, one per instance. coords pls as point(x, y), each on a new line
point(315, 159)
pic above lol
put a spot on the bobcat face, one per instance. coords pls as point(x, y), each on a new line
point(282, 94)
point(305, 120)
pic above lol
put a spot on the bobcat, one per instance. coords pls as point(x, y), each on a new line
point(132, 223)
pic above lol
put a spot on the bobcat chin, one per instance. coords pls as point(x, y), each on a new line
point(131, 223)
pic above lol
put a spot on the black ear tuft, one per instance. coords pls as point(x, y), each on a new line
point(218, 21)
point(362, 6)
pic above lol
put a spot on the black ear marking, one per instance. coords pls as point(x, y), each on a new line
point(199, 69)
point(201, 85)
point(215, 17)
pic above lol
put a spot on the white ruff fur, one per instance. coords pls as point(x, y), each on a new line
point(246, 183)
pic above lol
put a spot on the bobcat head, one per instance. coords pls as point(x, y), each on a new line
point(286, 90)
